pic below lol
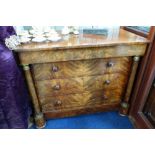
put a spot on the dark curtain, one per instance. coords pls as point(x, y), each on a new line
point(14, 101)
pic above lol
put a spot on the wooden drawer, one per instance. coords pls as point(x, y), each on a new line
point(80, 100)
point(102, 97)
point(57, 87)
point(105, 82)
point(72, 69)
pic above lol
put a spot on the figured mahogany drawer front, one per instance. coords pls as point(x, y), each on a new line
point(59, 86)
point(80, 100)
point(105, 82)
point(72, 69)
point(81, 84)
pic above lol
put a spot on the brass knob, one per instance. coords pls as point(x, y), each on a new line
point(58, 102)
point(107, 82)
point(55, 68)
point(57, 87)
point(110, 64)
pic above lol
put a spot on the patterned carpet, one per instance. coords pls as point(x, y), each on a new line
point(105, 120)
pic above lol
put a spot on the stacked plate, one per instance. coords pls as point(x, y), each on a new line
point(46, 34)
point(53, 37)
point(39, 35)
point(24, 36)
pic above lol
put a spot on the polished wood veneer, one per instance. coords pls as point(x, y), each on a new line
point(81, 54)
point(87, 99)
point(81, 73)
point(67, 69)
point(86, 41)
point(81, 84)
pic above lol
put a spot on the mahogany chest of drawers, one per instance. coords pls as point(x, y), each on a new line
point(83, 74)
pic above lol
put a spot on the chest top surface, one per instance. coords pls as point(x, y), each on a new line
point(122, 37)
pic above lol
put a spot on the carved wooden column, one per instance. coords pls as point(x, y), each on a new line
point(39, 118)
point(125, 104)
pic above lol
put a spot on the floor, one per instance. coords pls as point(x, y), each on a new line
point(104, 120)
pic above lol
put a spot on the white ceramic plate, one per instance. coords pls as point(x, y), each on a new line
point(54, 38)
point(27, 36)
point(33, 32)
point(24, 40)
point(38, 35)
point(39, 39)
point(51, 34)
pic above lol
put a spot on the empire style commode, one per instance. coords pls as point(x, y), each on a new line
point(81, 74)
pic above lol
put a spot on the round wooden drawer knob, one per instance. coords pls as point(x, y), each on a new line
point(58, 102)
point(110, 64)
point(107, 82)
point(57, 87)
point(55, 69)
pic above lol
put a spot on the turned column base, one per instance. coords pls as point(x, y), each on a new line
point(40, 121)
point(123, 111)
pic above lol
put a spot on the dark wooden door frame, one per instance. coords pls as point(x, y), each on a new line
point(142, 87)
point(141, 33)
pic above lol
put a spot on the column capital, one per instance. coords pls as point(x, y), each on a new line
point(136, 58)
point(25, 67)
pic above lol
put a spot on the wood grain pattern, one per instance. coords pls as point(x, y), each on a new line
point(125, 104)
point(86, 41)
point(81, 84)
point(132, 77)
point(72, 69)
point(74, 111)
point(115, 80)
point(80, 100)
point(81, 54)
point(39, 118)
point(65, 86)
point(81, 74)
